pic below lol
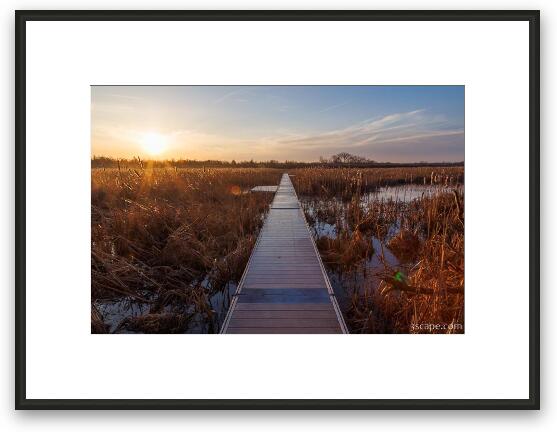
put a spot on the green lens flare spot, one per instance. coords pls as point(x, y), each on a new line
point(399, 276)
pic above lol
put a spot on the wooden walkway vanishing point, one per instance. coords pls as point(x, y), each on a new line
point(284, 288)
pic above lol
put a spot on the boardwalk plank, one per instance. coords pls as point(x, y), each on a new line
point(283, 322)
point(270, 314)
point(278, 330)
point(283, 307)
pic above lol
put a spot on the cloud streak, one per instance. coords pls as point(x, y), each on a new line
point(372, 136)
point(333, 107)
point(407, 136)
point(229, 95)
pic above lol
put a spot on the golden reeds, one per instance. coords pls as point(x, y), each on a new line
point(172, 238)
point(425, 293)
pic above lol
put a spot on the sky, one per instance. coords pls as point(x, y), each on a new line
point(382, 123)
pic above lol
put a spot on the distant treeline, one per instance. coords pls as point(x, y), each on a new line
point(335, 161)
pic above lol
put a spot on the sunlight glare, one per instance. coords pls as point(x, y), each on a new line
point(153, 143)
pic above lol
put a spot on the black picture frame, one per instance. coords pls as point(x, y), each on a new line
point(531, 16)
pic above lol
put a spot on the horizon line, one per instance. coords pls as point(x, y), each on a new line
point(285, 161)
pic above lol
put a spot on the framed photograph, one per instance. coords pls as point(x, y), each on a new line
point(277, 209)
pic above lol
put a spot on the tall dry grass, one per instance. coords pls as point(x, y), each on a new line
point(347, 183)
point(425, 234)
point(169, 239)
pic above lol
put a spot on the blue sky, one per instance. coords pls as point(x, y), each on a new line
point(384, 123)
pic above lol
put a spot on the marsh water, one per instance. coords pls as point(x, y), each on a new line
point(366, 275)
point(115, 311)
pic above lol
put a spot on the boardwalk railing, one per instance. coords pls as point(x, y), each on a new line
point(284, 288)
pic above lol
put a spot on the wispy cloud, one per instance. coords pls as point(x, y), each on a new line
point(410, 136)
point(333, 107)
point(228, 95)
point(127, 97)
point(414, 126)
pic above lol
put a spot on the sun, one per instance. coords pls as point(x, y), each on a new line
point(153, 143)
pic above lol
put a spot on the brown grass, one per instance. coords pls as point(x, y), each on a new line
point(172, 238)
point(348, 183)
point(426, 234)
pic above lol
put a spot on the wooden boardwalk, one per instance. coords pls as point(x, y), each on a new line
point(284, 288)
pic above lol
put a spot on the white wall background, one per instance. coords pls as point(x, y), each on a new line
point(247, 421)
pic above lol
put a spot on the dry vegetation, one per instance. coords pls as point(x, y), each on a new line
point(166, 240)
point(351, 183)
point(425, 292)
